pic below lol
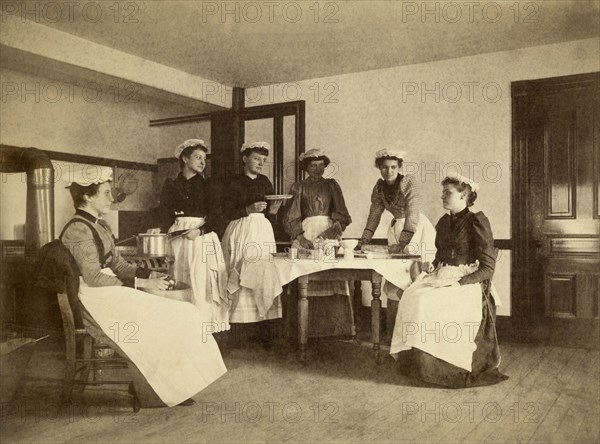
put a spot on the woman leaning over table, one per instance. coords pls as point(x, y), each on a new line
point(249, 236)
point(171, 357)
point(456, 299)
point(187, 203)
point(318, 210)
point(410, 230)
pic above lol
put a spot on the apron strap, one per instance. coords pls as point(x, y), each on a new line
point(104, 258)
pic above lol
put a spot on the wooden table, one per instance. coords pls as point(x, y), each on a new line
point(340, 274)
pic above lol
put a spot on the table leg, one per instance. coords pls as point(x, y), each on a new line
point(303, 315)
point(357, 306)
point(290, 312)
point(375, 314)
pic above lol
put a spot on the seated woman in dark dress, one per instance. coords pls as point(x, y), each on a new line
point(445, 330)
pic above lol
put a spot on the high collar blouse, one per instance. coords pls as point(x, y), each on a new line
point(315, 198)
point(242, 191)
point(192, 197)
point(463, 238)
point(185, 197)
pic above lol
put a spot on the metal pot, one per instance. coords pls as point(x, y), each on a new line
point(152, 244)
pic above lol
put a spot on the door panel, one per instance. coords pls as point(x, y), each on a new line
point(559, 157)
point(561, 295)
point(290, 159)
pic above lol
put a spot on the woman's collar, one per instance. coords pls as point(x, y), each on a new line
point(461, 213)
point(394, 183)
point(182, 177)
point(86, 215)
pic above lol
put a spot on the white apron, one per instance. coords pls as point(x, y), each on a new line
point(248, 239)
point(165, 339)
point(200, 263)
point(313, 226)
point(422, 243)
point(441, 321)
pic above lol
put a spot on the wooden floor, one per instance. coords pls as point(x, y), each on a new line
point(553, 395)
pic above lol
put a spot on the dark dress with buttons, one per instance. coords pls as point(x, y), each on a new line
point(242, 191)
point(462, 239)
point(192, 197)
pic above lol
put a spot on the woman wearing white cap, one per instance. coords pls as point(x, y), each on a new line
point(318, 210)
point(249, 235)
point(172, 358)
point(410, 230)
point(187, 203)
point(445, 330)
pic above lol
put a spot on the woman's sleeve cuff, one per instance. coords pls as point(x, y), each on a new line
point(143, 273)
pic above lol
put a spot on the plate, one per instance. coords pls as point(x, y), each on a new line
point(371, 255)
point(278, 196)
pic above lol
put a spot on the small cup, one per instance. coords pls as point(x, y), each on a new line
point(292, 253)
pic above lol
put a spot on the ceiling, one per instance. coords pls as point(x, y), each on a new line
point(260, 44)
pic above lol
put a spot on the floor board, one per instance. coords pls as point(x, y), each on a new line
point(340, 395)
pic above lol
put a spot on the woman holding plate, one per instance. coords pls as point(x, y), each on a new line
point(249, 235)
point(318, 211)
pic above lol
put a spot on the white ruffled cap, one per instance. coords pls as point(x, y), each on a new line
point(92, 174)
point(188, 143)
point(264, 145)
point(463, 179)
point(390, 153)
point(312, 153)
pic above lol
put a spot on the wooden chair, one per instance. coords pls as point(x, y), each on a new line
point(84, 356)
point(56, 274)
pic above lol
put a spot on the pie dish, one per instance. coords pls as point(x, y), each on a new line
point(278, 196)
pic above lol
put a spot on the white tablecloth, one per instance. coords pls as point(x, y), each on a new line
point(267, 277)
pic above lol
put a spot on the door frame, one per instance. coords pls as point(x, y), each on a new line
point(523, 310)
point(278, 111)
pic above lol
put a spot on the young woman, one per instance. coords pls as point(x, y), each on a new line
point(172, 357)
point(445, 328)
point(187, 203)
point(318, 210)
point(410, 230)
point(249, 235)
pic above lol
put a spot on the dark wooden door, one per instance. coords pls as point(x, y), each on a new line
point(557, 129)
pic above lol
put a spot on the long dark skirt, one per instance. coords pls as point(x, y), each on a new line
point(486, 357)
